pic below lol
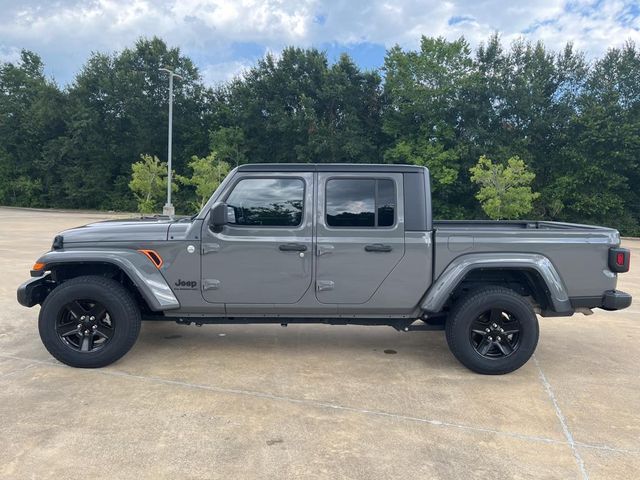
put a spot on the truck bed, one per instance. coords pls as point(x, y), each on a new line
point(579, 252)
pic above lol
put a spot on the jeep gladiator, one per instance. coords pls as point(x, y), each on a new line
point(322, 243)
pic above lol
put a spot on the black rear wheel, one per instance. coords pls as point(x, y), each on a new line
point(495, 333)
point(89, 322)
point(493, 330)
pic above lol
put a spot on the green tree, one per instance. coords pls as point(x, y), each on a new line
point(149, 182)
point(118, 106)
point(505, 191)
point(597, 180)
point(575, 124)
point(230, 145)
point(423, 115)
point(347, 121)
point(298, 108)
point(32, 133)
point(207, 173)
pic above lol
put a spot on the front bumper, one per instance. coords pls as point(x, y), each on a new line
point(35, 290)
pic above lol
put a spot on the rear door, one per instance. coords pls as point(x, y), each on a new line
point(264, 254)
point(359, 234)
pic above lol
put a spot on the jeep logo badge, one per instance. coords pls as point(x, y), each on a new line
point(185, 284)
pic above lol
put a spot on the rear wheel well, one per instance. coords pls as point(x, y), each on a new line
point(66, 271)
point(527, 282)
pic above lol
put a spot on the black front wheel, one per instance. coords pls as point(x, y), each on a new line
point(492, 330)
point(89, 322)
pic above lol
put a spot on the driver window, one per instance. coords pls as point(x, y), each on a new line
point(272, 202)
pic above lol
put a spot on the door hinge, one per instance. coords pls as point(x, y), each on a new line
point(324, 249)
point(322, 285)
point(210, 248)
point(210, 284)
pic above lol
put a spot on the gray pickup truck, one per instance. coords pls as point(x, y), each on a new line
point(334, 244)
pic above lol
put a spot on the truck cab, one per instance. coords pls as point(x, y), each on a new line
point(319, 241)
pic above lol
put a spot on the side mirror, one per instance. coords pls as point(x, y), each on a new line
point(218, 217)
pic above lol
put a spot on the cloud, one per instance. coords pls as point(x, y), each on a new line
point(214, 74)
point(216, 33)
point(9, 54)
point(591, 26)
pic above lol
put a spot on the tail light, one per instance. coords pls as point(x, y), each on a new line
point(619, 259)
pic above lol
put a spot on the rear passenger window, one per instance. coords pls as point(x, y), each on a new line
point(366, 202)
point(272, 202)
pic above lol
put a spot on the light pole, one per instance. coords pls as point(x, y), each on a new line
point(168, 209)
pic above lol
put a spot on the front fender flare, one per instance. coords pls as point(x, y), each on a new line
point(140, 270)
point(455, 272)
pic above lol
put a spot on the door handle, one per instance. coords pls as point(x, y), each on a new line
point(377, 247)
point(293, 247)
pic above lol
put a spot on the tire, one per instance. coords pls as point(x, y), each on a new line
point(89, 322)
point(478, 344)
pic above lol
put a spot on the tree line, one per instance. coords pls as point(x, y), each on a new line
point(572, 125)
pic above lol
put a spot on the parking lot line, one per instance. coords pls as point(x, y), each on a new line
point(561, 418)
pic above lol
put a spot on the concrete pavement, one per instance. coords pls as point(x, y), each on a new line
point(261, 401)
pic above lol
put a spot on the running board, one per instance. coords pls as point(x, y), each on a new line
point(400, 324)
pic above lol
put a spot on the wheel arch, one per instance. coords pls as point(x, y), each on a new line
point(531, 274)
point(134, 270)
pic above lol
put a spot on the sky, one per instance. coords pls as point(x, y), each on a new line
point(224, 37)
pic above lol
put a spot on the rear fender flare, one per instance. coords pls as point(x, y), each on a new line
point(140, 270)
point(458, 269)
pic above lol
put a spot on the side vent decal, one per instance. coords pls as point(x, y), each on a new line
point(153, 256)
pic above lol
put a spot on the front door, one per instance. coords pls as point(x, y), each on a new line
point(360, 234)
point(264, 254)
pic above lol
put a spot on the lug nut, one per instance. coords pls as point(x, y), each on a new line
point(494, 325)
point(502, 330)
point(487, 330)
point(95, 327)
point(491, 339)
point(79, 326)
point(86, 332)
point(498, 338)
point(82, 317)
point(92, 318)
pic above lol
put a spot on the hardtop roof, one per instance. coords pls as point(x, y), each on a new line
point(328, 167)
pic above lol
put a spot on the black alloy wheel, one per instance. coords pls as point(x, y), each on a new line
point(85, 325)
point(495, 333)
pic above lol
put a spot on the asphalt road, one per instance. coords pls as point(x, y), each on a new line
point(312, 401)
